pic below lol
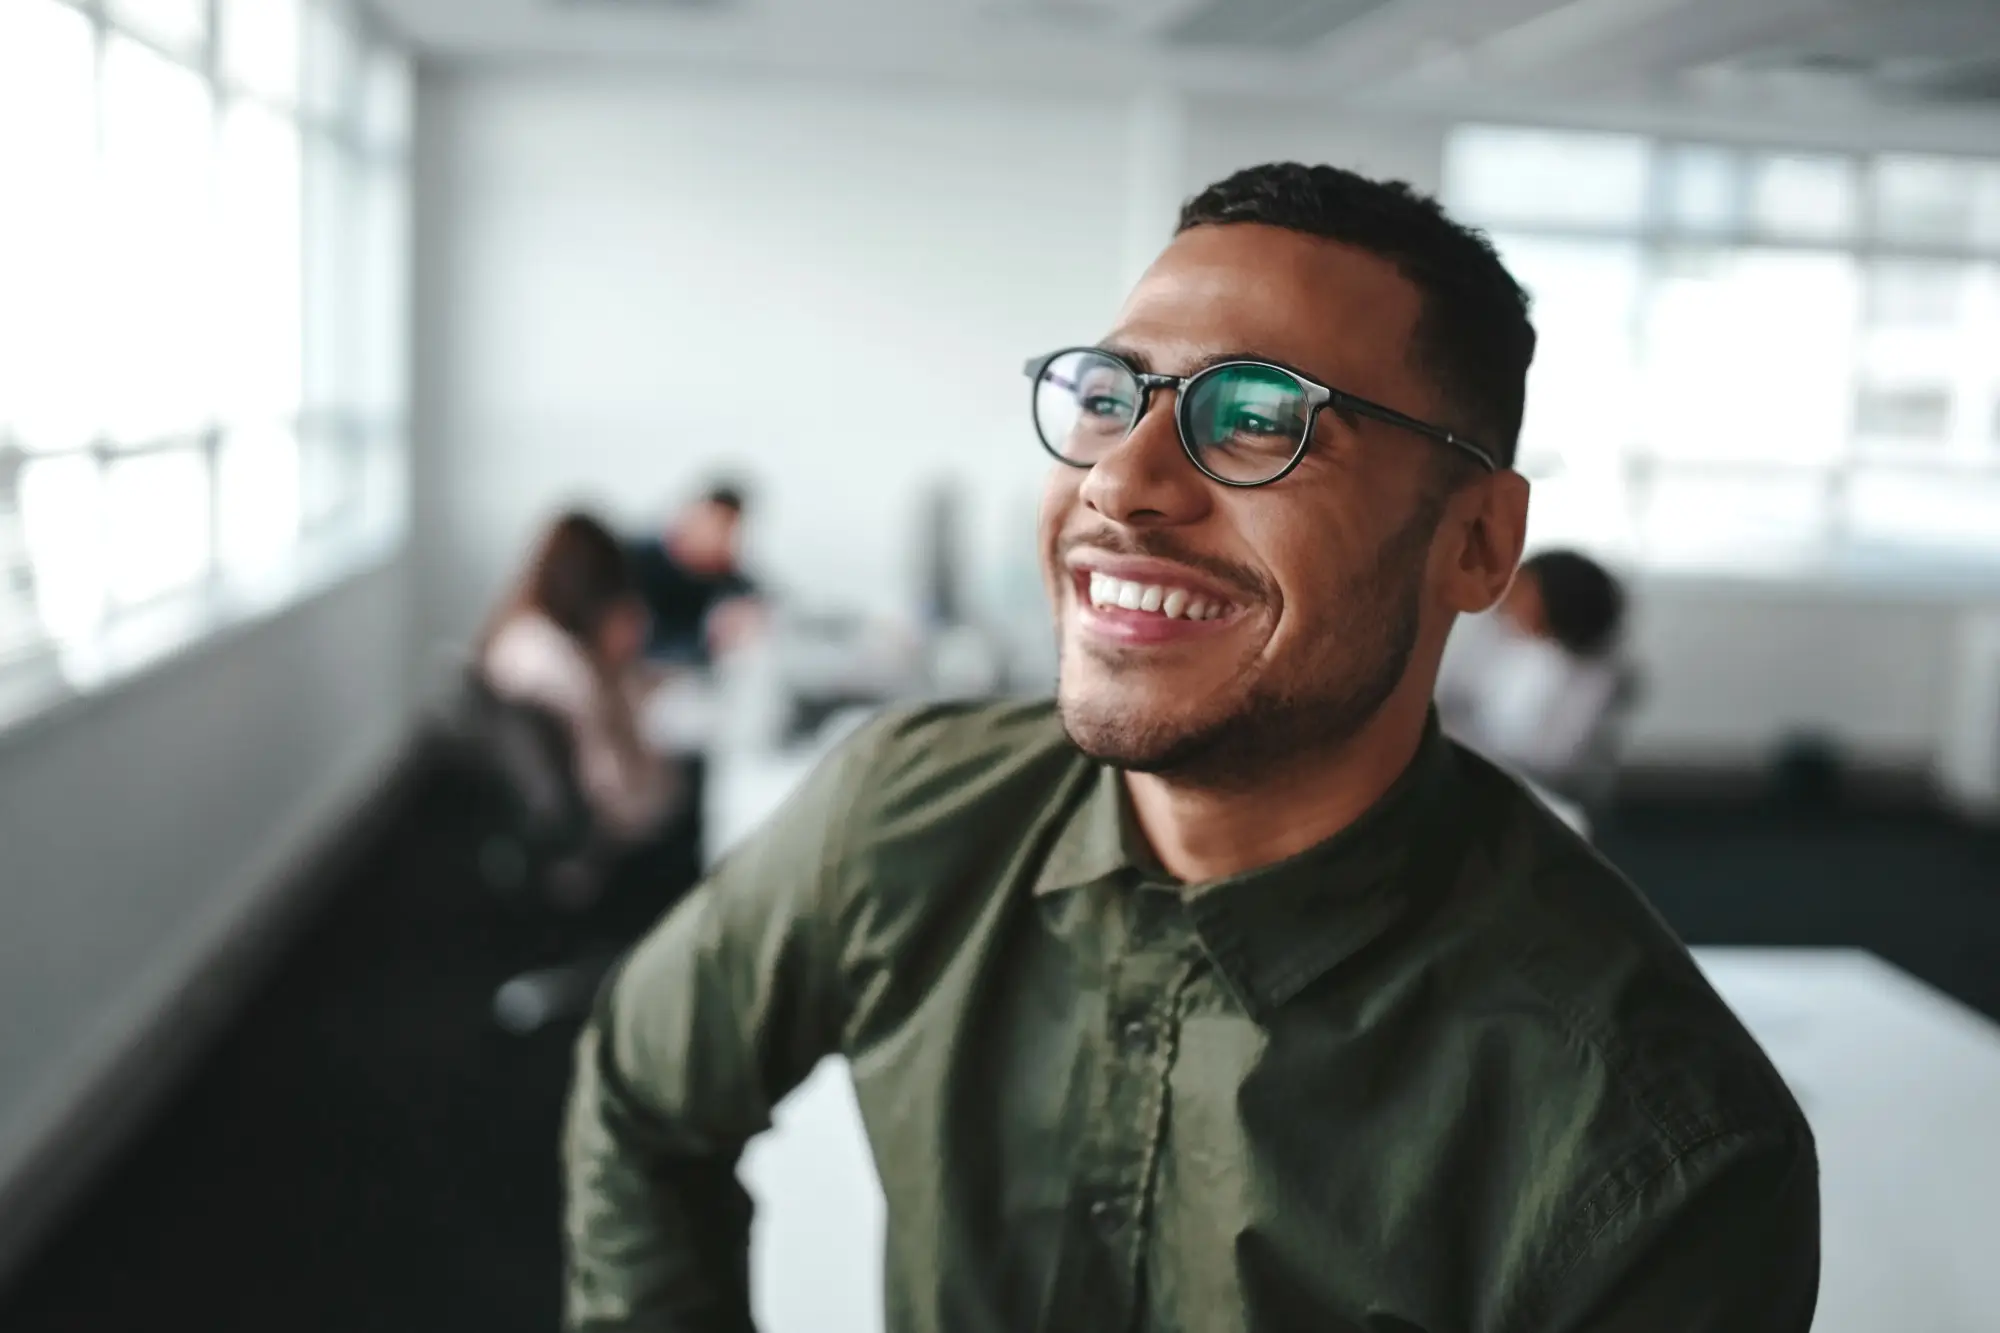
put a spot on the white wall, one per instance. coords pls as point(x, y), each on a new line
point(1225, 135)
point(143, 825)
point(1732, 669)
point(623, 279)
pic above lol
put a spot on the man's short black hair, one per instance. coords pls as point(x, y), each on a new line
point(1473, 338)
point(1583, 601)
point(725, 494)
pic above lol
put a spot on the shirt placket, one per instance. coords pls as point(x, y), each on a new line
point(1098, 1275)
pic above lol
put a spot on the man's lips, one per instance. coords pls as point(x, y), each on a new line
point(1141, 600)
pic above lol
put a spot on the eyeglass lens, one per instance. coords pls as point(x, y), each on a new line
point(1242, 423)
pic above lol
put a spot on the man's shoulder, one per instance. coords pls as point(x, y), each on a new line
point(1578, 947)
point(935, 761)
point(925, 785)
point(940, 802)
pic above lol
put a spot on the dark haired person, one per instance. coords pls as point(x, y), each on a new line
point(568, 640)
point(1223, 993)
point(1530, 683)
point(692, 579)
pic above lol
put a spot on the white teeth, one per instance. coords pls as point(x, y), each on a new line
point(1173, 603)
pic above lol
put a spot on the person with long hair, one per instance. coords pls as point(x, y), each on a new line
point(569, 639)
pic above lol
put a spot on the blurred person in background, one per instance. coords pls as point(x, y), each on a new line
point(570, 639)
point(692, 579)
point(1221, 992)
point(1533, 683)
point(704, 607)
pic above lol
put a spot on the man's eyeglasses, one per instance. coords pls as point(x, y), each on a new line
point(1243, 423)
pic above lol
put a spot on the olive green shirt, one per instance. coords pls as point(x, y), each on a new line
point(1444, 1071)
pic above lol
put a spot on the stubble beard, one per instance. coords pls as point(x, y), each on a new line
point(1370, 635)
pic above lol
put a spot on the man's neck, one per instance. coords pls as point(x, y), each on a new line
point(1202, 834)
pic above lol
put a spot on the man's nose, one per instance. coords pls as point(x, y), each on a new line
point(1147, 480)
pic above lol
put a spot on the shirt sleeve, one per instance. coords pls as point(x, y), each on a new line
point(723, 1009)
point(1726, 1240)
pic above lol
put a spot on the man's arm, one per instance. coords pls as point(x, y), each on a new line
point(723, 1009)
point(1726, 1239)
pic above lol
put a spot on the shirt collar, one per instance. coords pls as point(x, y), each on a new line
point(1274, 930)
point(1097, 840)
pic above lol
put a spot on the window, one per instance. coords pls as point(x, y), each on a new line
point(157, 247)
point(1507, 175)
point(197, 195)
point(180, 25)
point(1750, 360)
point(260, 46)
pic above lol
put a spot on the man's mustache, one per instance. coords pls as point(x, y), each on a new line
point(1158, 546)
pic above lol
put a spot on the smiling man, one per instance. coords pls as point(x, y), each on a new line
point(1223, 994)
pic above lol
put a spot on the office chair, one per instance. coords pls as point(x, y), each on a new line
point(535, 849)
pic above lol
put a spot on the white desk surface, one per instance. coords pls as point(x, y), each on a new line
point(1901, 1084)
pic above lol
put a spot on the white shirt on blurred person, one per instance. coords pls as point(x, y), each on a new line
point(1530, 683)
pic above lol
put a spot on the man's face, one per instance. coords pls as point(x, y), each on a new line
point(707, 537)
point(1311, 591)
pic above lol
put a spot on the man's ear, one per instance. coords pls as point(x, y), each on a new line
point(1488, 520)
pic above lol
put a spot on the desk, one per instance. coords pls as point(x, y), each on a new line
point(1902, 1086)
point(1900, 1082)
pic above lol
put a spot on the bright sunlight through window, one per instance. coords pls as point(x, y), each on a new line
point(200, 267)
point(1752, 361)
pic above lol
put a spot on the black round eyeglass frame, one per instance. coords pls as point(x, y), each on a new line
point(1317, 396)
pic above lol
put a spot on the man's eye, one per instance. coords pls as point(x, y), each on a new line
point(1104, 405)
point(1251, 423)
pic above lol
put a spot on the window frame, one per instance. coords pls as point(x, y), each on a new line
point(1655, 230)
point(45, 668)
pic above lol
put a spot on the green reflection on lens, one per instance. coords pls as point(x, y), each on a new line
point(1247, 421)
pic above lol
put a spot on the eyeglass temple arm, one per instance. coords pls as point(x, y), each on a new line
point(1362, 407)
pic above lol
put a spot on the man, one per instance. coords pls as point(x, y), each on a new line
point(701, 605)
point(1225, 995)
point(1534, 683)
point(693, 581)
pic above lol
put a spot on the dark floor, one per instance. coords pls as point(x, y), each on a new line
point(366, 1151)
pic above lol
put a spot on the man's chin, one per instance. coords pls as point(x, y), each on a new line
point(1137, 733)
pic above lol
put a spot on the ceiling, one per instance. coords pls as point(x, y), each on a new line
point(1925, 68)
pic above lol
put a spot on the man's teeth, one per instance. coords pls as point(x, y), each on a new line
point(1173, 603)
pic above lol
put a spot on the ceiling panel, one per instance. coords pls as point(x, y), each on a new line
point(1269, 25)
point(1780, 61)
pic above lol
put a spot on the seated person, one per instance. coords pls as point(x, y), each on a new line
point(1529, 683)
point(693, 583)
point(569, 639)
